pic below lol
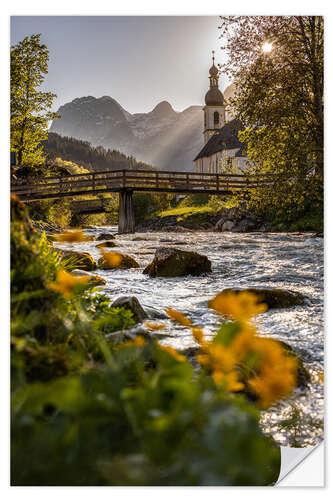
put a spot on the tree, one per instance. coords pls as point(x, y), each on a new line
point(279, 93)
point(276, 63)
point(29, 107)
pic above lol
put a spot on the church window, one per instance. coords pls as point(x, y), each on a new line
point(216, 118)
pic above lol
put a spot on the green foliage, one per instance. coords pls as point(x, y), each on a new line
point(40, 313)
point(29, 107)
point(70, 166)
point(145, 204)
point(299, 206)
point(138, 424)
point(194, 200)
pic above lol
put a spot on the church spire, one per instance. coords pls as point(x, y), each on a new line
point(214, 110)
point(214, 73)
point(214, 96)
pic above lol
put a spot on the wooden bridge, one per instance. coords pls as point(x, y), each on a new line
point(125, 182)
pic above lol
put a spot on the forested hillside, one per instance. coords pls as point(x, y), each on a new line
point(84, 154)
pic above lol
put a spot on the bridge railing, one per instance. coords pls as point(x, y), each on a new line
point(98, 182)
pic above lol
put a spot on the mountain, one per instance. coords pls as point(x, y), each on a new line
point(163, 137)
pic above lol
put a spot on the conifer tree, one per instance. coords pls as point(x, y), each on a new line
point(30, 108)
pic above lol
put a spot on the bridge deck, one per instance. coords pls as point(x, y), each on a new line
point(136, 180)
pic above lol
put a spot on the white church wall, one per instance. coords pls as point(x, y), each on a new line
point(223, 162)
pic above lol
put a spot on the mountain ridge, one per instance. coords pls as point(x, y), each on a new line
point(162, 137)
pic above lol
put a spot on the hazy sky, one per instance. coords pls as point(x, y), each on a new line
point(139, 61)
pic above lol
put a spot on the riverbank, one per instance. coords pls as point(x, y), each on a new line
point(236, 219)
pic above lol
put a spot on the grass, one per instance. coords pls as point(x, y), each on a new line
point(187, 211)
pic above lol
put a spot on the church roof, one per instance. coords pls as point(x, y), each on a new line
point(226, 138)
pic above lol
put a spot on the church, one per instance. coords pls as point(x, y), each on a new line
point(222, 151)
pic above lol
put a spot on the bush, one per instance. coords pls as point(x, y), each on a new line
point(144, 420)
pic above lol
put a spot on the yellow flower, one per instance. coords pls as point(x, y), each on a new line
point(242, 342)
point(170, 350)
point(229, 381)
point(220, 357)
point(154, 325)
point(113, 259)
point(178, 317)
point(240, 306)
point(198, 334)
point(66, 283)
point(72, 236)
point(139, 341)
point(276, 372)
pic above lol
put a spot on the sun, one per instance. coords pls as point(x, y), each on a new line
point(267, 47)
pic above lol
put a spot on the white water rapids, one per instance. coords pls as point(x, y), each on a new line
point(291, 261)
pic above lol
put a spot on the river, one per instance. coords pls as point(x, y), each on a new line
point(291, 261)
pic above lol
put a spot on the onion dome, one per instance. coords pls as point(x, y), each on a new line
point(214, 97)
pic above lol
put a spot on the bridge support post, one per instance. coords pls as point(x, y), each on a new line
point(126, 218)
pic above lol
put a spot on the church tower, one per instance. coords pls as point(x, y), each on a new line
point(215, 108)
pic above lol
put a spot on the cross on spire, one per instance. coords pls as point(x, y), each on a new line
point(213, 52)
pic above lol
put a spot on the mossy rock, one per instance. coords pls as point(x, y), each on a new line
point(126, 262)
point(83, 260)
point(274, 298)
point(105, 236)
point(133, 305)
point(93, 279)
point(107, 244)
point(172, 262)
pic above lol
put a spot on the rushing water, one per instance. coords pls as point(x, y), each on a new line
point(290, 261)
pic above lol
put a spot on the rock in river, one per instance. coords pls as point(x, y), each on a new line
point(107, 244)
point(116, 260)
point(105, 236)
point(93, 280)
point(83, 260)
point(275, 298)
point(133, 305)
point(170, 262)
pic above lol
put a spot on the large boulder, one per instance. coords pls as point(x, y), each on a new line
point(83, 260)
point(170, 262)
point(120, 261)
point(227, 225)
point(105, 236)
point(133, 305)
point(275, 298)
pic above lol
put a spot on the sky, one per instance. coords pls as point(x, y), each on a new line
point(138, 60)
